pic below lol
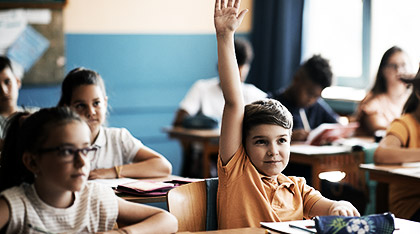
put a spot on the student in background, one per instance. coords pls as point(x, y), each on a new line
point(9, 93)
point(206, 94)
point(254, 149)
point(384, 102)
point(302, 97)
point(119, 154)
point(400, 145)
point(44, 189)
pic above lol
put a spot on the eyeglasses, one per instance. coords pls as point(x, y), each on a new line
point(395, 66)
point(67, 152)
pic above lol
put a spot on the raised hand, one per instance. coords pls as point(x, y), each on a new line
point(226, 17)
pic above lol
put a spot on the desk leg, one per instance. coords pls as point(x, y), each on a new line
point(316, 182)
point(382, 191)
point(187, 158)
point(206, 160)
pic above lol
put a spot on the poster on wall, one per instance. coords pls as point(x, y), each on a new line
point(28, 48)
point(34, 40)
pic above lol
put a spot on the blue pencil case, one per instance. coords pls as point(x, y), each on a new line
point(376, 223)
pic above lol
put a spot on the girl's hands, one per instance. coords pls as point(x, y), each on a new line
point(226, 17)
point(343, 208)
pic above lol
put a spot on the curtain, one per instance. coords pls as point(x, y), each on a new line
point(276, 38)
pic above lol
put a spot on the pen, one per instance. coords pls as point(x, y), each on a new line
point(301, 228)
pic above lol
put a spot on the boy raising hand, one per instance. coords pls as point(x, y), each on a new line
point(255, 148)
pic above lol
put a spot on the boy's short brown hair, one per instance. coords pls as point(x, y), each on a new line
point(266, 111)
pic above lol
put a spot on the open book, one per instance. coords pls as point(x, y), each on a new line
point(328, 132)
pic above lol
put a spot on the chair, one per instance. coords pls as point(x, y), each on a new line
point(194, 205)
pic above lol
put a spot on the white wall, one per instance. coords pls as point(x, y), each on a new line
point(145, 16)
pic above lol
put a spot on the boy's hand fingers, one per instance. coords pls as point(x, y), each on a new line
point(230, 3)
point(242, 15)
point(223, 5)
point(217, 5)
point(237, 4)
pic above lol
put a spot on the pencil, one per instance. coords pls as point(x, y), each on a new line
point(301, 228)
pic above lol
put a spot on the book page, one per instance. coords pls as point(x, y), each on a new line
point(298, 226)
point(329, 132)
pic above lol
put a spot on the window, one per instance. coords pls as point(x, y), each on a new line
point(334, 29)
point(395, 22)
point(354, 34)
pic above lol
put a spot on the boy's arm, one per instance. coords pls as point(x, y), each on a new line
point(180, 115)
point(227, 19)
point(326, 206)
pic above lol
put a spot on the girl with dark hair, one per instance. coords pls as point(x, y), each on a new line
point(383, 103)
point(400, 145)
point(119, 154)
point(43, 188)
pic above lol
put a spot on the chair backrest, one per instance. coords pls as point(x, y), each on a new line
point(189, 202)
point(211, 187)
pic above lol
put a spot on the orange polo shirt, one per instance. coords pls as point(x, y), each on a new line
point(404, 200)
point(245, 197)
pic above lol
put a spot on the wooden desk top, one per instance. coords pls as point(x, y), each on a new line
point(396, 173)
point(196, 133)
point(250, 230)
point(402, 225)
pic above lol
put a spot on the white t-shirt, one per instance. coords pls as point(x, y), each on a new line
point(208, 94)
point(116, 147)
point(95, 209)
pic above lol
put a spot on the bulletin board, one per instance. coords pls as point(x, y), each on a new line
point(49, 68)
point(52, 4)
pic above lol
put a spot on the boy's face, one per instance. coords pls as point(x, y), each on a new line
point(9, 89)
point(307, 93)
point(268, 147)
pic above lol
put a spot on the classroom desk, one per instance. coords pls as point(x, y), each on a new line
point(403, 227)
point(139, 199)
point(236, 231)
point(209, 139)
point(321, 159)
point(329, 158)
point(407, 173)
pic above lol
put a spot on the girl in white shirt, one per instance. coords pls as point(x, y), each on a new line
point(119, 154)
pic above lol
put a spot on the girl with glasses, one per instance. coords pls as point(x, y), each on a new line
point(384, 102)
point(44, 167)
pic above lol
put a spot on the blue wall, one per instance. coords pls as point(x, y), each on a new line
point(146, 77)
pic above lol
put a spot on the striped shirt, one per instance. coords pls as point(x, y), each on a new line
point(95, 209)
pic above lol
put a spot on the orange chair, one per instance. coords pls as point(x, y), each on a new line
point(194, 205)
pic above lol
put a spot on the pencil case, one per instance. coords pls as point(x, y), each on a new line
point(376, 223)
